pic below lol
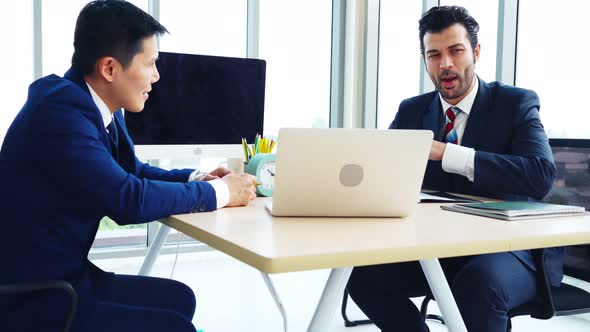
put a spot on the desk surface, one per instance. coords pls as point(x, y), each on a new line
point(272, 245)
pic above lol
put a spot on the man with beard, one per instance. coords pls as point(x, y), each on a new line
point(489, 142)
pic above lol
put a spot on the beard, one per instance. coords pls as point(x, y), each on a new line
point(463, 82)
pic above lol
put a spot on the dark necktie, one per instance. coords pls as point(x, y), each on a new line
point(450, 133)
point(112, 129)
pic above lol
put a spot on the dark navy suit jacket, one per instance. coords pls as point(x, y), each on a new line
point(513, 159)
point(59, 178)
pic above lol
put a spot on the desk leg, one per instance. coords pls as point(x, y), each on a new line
point(442, 294)
point(331, 296)
point(276, 298)
point(154, 250)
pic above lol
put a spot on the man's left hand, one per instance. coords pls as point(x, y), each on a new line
point(219, 172)
point(437, 150)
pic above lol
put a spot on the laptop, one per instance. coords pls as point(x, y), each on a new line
point(340, 172)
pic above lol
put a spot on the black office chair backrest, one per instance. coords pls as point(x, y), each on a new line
point(43, 286)
point(572, 187)
point(577, 262)
point(572, 180)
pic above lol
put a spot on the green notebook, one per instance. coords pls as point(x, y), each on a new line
point(515, 210)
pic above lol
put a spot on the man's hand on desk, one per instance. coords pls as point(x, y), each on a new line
point(437, 149)
point(220, 172)
point(215, 174)
point(241, 187)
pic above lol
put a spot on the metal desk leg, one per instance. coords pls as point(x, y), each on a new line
point(154, 250)
point(276, 298)
point(442, 294)
point(329, 301)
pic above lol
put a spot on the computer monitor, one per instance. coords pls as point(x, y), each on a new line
point(202, 106)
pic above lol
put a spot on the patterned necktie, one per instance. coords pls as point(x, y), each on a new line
point(450, 133)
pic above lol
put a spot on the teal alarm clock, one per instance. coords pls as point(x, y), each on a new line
point(262, 166)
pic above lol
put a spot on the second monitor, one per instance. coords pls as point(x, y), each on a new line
point(201, 99)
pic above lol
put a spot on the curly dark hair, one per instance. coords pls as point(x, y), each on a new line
point(436, 19)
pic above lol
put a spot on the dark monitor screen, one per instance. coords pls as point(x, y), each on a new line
point(572, 180)
point(201, 99)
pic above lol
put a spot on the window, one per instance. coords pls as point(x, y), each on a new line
point(111, 234)
point(17, 57)
point(205, 27)
point(485, 13)
point(550, 49)
point(399, 57)
point(295, 41)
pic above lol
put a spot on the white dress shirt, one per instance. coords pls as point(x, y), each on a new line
point(456, 158)
point(221, 189)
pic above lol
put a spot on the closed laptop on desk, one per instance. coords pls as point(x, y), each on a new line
point(349, 172)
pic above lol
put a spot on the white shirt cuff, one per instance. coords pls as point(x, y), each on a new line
point(196, 175)
point(221, 189)
point(221, 192)
point(459, 160)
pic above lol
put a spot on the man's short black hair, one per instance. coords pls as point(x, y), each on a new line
point(436, 19)
point(111, 28)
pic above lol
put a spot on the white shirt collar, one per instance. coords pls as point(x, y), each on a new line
point(106, 114)
point(466, 103)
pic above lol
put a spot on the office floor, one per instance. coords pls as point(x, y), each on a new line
point(232, 296)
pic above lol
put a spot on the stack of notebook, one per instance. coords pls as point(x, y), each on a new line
point(515, 210)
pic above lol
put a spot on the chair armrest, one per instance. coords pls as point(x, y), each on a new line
point(41, 286)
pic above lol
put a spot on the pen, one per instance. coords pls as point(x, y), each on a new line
point(250, 152)
point(245, 148)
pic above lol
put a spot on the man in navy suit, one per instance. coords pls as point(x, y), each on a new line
point(489, 142)
point(67, 161)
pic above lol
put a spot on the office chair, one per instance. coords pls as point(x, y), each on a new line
point(423, 312)
point(348, 322)
point(34, 287)
point(553, 301)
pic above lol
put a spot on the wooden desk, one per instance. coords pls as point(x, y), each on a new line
point(272, 245)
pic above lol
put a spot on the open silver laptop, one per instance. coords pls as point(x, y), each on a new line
point(349, 172)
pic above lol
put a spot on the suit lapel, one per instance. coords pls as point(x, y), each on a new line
point(478, 117)
point(430, 118)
